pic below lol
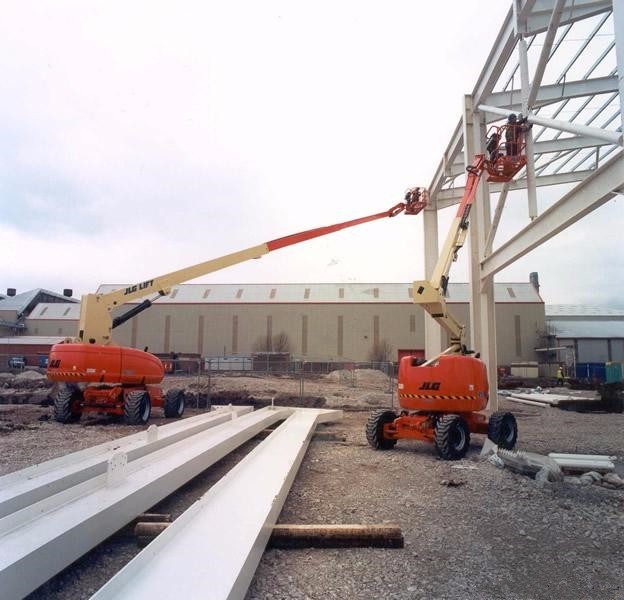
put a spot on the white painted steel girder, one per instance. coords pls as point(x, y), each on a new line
point(612, 137)
point(591, 193)
point(216, 545)
point(22, 488)
point(39, 540)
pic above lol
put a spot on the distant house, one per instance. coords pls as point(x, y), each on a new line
point(15, 308)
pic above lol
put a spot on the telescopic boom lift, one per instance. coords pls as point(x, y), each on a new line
point(441, 397)
point(103, 377)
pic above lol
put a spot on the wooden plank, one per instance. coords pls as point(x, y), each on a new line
point(336, 536)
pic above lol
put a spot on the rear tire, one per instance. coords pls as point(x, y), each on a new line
point(64, 405)
point(503, 430)
point(374, 429)
point(452, 437)
point(137, 408)
point(174, 403)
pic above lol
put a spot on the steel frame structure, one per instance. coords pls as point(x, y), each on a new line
point(556, 62)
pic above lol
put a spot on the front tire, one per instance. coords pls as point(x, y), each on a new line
point(374, 429)
point(137, 408)
point(452, 437)
point(65, 402)
point(503, 430)
point(174, 404)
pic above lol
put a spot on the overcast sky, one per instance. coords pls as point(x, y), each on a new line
point(142, 137)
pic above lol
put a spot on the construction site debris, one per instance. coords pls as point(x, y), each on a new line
point(556, 467)
point(584, 462)
point(359, 376)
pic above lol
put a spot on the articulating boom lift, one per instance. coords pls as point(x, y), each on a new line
point(440, 398)
point(103, 377)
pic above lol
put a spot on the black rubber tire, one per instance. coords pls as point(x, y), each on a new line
point(137, 408)
point(64, 412)
point(452, 437)
point(174, 403)
point(374, 429)
point(503, 429)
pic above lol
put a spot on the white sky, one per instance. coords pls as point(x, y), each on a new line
point(142, 137)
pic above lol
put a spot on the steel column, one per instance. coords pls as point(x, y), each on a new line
point(618, 28)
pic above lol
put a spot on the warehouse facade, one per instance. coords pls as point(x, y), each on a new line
point(594, 333)
point(316, 322)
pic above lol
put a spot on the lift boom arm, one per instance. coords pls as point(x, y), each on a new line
point(96, 323)
point(430, 293)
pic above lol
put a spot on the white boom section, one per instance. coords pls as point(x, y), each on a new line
point(217, 543)
point(22, 488)
point(43, 538)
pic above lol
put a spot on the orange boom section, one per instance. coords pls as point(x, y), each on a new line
point(86, 363)
point(454, 384)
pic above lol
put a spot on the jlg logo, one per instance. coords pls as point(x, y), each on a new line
point(430, 385)
point(54, 364)
point(138, 287)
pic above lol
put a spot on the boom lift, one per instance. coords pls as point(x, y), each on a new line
point(441, 398)
point(103, 377)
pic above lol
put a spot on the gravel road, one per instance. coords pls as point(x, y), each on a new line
point(491, 534)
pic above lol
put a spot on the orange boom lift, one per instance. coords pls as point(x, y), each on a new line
point(441, 398)
point(103, 377)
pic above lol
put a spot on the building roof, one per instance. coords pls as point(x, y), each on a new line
point(314, 293)
point(587, 328)
point(55, 311)
point(22, 303)
point(582, 310)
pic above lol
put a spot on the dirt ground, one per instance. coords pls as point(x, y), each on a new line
point(471, 531)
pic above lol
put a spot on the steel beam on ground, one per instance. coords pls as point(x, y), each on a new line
point(38, 541)
point(217, 543)
point(591, 193)
point(25, 487)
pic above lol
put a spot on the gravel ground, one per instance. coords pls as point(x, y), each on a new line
point(494, 535)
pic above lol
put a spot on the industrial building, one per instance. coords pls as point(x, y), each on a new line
point(324, 322)
point(594, 333)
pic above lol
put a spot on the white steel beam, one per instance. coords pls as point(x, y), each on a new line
point(530, 159)
point(546, 147)
point(548, 94)
point(544, 56)
point(448, 158)
point(590, 194)
point(38, 541)
point(22, 488)
point(618, 28)
point(498, 212)
point(613, 137)
point(569, 143)
point(218, 542)
point(452, 196)
point(575, 10)
point(496, 61)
